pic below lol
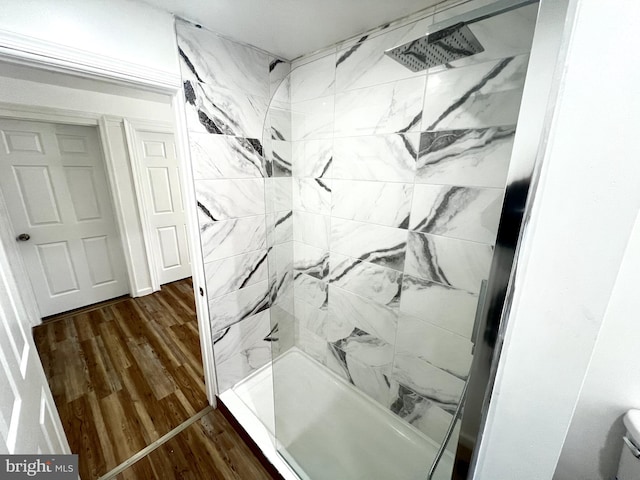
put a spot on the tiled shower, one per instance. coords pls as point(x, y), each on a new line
point(349, 207)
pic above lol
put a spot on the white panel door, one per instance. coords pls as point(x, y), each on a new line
point(54, 183)
point(163, 204)
point(29, 422)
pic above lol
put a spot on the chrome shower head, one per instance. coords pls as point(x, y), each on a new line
point(437, 48)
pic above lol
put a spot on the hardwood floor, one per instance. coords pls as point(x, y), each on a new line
point(208, 449)
point(124, 374)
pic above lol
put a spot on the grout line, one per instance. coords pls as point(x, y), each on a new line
point(158, 443)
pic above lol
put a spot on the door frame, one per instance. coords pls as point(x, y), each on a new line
point(72, 117)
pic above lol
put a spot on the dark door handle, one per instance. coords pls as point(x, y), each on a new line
point(23, 237)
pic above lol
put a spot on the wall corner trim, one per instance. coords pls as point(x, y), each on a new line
point(23, 49)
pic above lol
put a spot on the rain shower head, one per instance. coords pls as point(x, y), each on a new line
point(450, 40)
point(437, 48)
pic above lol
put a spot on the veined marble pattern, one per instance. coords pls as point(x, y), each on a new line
point(211, 109)
point(312, 318)
point(310, 260)
point(314, 79)
point(312, 118)
point(439, 347)
point(382, 203)
point(312, 195)
point(473, 157)
point(231, 198)
point(283, 332)
point(422, 413)
point(221, 156)
point(233, 273)
point(452, 262)
point(239, 305)
point(364, 64)
point(218, 61)
point(427, 380)
point(386, 158)
point(311, 344)
point(383, 246)
point(480, 95)
point(279, 121)
point(387, 108)
point(459, 212)
point(279, 85)
point(221, 239)
point(365, 348)
point(313, 158)
point(311, 290)
point(311, 229)
point(280, 260)
point(279, 156)
point(279, 194)
point(382, 285)
point(242, 336)
point(241, 365)
point(446, 307)
point(369, 376)
point(279, 227)
point(348, 311)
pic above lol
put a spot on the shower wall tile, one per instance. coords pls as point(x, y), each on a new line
point(459, 212)
point(448, 308)
point(226, 238)
point(382, 285)
point(312, 318)
point(311, 229)
point(231, 198)
point(314, 79)
point(233, 273)
point(365, 348)
point(311, 260)
point(222, 62)
point(481, 95)
point(234, 307)
point(311, 344)
point(278, 122)
point(312, 195)
point(280, 260)
point(387, 108)
point(381, 203)
point(348, 311)
point(279, 227)
point(310, 290)
point(456, 263)
point(242, 337)
point(312, 119)
point(278, 194)
point(211, 109)
point(473, 157)
point(365, 64)
point(279, 157)
point(283, 331)
point(422, 413)
point(386, 158)
point(439, 347)
point(221, 156)
point(384, 246)
point(368, 376)
point(426, 380)
point(241, 365)
point(279, 83)
point(312, 158)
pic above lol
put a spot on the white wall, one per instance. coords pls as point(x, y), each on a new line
point(102, 32)
point(572, 249)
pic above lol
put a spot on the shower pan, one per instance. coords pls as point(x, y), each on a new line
point(394, 179)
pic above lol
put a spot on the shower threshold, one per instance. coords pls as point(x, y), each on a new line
point(325, 428)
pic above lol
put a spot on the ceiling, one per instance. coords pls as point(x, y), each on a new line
point(290, 28)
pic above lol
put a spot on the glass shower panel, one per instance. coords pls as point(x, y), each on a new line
point(384, 194)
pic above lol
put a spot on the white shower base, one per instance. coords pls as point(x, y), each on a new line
point(326, 428)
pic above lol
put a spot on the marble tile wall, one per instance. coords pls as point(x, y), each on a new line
point(397, 187)
point(243, 189)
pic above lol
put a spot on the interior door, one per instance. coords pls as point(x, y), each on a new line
point(163, 204)
point(54, 183)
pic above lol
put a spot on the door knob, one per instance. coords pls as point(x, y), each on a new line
point(23, 237)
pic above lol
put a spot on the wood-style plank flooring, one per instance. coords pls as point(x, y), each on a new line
point(124, 374)
point(209, 449)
